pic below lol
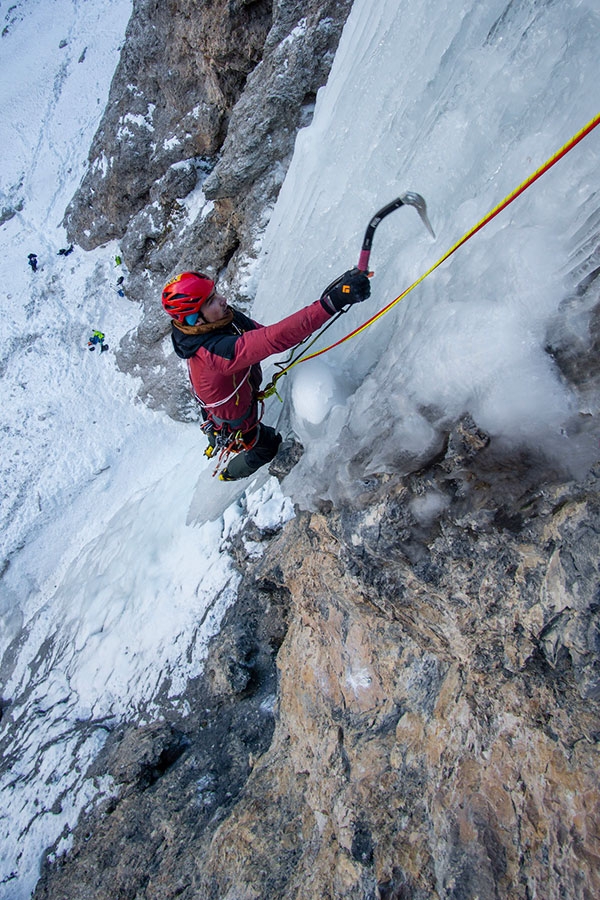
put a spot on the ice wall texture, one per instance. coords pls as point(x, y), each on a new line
point(461, 104)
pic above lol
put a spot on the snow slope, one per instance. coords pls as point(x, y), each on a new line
point(109, 591)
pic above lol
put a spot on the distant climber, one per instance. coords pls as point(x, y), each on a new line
point(97, 338)
point(223, 348)
point(64, 251)
point(120, 290)
point(33, 261)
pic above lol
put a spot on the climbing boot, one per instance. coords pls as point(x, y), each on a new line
point(236, 468)
point(225, 475)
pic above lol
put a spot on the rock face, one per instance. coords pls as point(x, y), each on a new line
point(437, 722)
point(438, 718)
point(177, 779)
point(207, 98)
point(182, 69)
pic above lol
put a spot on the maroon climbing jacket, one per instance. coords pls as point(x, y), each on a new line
point(224, 363)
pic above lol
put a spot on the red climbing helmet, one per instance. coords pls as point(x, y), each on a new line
point(185, 294)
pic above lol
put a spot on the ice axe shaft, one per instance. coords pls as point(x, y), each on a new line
point(407, 199)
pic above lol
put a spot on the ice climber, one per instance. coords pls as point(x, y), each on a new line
point(224, 348)
point(97, 338)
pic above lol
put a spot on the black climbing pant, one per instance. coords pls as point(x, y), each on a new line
point(263, 451)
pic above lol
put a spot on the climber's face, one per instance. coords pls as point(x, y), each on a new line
point(214, 307)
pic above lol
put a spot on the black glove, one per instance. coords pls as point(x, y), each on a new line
point(352, 287)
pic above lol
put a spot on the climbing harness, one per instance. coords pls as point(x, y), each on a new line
point(227, 443)
point(364, 257)
point(226, 433)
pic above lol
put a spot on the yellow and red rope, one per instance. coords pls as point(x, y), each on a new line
point(469, 234)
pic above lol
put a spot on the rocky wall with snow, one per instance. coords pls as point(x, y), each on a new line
point(438, 710)
point(192, 149)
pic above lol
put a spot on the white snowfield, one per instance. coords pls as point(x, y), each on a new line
point(117, 577)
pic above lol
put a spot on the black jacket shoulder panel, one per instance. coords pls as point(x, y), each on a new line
point(185, 345)
point(243, 321)
point(220, 344)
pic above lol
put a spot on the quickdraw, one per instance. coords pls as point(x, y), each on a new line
point(229, 442)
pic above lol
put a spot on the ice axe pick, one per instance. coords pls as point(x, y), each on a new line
point(409, 198)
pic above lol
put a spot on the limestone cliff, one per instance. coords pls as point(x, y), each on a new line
point(182, 69)
point(437, 732)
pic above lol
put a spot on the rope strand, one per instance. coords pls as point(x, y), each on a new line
point(469, 234)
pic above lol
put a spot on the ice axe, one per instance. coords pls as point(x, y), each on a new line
point(410, 198)
point(407, 199)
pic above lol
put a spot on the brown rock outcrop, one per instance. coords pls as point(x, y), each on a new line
point(182, 69)
point(437, 725)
